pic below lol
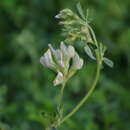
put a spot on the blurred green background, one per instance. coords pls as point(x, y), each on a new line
point(26, 89)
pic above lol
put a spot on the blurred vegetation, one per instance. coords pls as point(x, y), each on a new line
point(26, 89)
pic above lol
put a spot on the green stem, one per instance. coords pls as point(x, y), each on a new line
point(59, 108)
point(93, 34)
point(85, 97)
point(61, 96)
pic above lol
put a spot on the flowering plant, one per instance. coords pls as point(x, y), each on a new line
point(59, 61)
point(65, 61)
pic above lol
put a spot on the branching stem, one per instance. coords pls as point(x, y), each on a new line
point(85, 97)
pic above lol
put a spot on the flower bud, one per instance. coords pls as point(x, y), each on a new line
point(64, 14)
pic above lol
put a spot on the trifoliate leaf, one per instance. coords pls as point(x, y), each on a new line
point(108, 62)
point(79, 8)
point(89, 52)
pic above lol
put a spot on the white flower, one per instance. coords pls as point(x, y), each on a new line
point(58, 56)
point(60, 61)
point(71, 51)
point(77, 62)
point(59, 79)
point(68, 52)
point(47, 60)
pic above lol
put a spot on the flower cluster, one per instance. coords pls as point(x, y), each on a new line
point(65, 61)
point(74, 27)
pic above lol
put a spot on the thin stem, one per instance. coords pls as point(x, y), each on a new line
point(85, 97)
point(93, 34)
point(59, 108)
point(61, 95)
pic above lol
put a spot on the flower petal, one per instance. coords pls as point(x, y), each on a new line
point(77, 62)
point(63, 48)
point(58, 56)
point(51, 48)
point(59, 79)
point(47, 60)
point(67, 51)
point(71, 51)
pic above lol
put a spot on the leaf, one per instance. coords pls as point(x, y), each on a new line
point(80, 10)
point(89, 15)
point(91, 45)
point(108, 62)
point(89, 52)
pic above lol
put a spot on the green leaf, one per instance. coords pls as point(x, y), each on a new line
point(108, 62)
point(89, 15)
point(91, 45)
point(89, 52)
point(80, 10)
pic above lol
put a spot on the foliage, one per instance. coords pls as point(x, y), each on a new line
point(25, 91)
